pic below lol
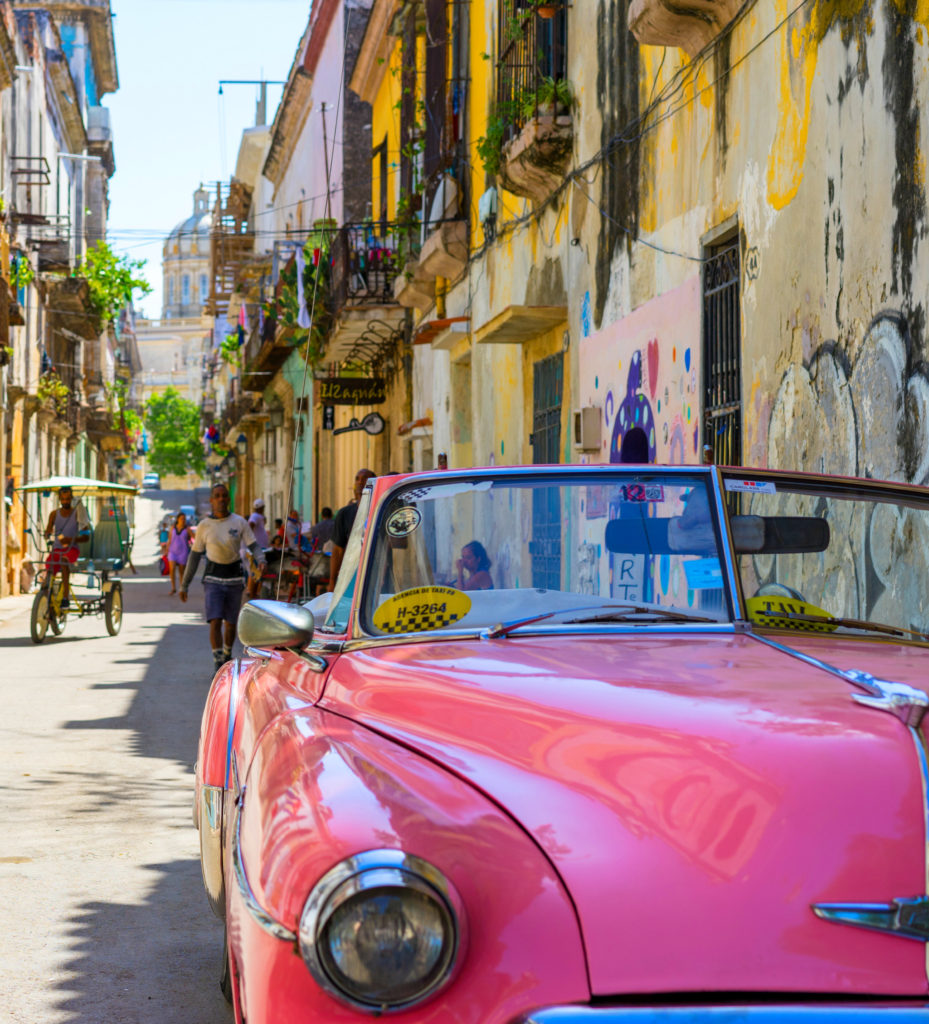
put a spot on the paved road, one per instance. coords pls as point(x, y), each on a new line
point(103, 916)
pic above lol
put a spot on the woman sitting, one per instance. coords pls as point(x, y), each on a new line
point(475, 563)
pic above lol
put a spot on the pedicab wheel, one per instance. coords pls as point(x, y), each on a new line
point(42, 617)
point(57, 622)
point(113, 609)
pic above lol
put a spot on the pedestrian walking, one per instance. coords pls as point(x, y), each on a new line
point(321, 532)
point(258, 524)
point(220, 537)
point(344, 521)
point(180, 539)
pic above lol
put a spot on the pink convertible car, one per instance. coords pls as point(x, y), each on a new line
point(583, 745)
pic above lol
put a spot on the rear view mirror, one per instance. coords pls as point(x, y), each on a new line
point(275, 624)
point(779, 535)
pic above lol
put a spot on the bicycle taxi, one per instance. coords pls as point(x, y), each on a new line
point(95, 586)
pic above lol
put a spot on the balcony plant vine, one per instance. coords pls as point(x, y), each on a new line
point(111, 279)
point(316, 281)
point(51, 388)
point(22, 273)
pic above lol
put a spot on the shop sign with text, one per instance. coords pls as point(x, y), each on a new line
point(351, 390)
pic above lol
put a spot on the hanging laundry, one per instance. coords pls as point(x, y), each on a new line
point(303, 317)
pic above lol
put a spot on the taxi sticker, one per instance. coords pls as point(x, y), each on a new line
point(642, 492)
point(421, 609)
point(775, 611)
point(404, 521)
point(757, 486)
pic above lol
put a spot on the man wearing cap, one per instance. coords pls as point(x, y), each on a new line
point(257, 522)
point(259, 528)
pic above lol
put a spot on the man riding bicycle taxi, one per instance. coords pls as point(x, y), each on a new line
point(67, 524)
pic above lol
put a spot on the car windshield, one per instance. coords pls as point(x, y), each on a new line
point(625, 548)
point(828, 557)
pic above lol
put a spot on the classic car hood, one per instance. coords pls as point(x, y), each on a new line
point(696, 795)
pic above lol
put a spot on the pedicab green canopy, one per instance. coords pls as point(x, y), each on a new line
point(84, 484)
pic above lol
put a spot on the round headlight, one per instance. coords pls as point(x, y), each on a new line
point(380, 930)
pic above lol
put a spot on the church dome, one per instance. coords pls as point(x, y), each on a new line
point(192, 235)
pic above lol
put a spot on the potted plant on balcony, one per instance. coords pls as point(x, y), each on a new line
point(552, 96)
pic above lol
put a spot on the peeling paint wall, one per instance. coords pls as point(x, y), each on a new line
point(807, 124)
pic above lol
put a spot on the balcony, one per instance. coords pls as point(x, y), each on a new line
point(232, 244)
point(533, 98)
point(534, 163)
point(689, 24)
point(264, 353)
point(365, 261)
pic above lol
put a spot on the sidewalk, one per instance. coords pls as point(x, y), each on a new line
point(11, 607)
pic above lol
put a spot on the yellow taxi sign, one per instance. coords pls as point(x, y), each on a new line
point(421, 609)
point(788, 613)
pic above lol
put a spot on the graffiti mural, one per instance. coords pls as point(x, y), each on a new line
point(643, 371)
point(863, 415)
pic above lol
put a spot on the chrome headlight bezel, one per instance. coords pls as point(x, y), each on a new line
point(379, 869)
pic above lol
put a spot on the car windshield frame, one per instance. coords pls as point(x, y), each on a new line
point(560, 476)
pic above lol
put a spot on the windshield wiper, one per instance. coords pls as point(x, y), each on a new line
point(617, 613)
point(829, 620)
point(505, 628)
point(665, 614)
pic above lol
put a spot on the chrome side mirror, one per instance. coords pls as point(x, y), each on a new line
point(275, 624)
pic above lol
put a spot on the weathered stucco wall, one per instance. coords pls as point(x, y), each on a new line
point(808, 127)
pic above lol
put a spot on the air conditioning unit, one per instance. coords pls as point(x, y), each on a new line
point(587, 429)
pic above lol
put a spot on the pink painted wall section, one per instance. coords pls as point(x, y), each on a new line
point(644, 370)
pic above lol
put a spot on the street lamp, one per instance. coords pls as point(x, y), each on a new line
point(241, 443)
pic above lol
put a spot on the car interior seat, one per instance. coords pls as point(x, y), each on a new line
point(110, 541)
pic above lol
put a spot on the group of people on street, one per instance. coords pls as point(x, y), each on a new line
point(229, 542)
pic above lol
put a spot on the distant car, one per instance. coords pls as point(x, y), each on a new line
point(592, 744)
point(191, 513)
point(151, 481)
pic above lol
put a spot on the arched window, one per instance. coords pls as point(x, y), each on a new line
point(185, 290)
point(171, 291)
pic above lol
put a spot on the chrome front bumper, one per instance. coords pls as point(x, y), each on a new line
point(914, 1011)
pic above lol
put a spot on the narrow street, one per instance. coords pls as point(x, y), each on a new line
point(103, 912)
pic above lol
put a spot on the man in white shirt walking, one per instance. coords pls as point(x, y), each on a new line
point(220, 537)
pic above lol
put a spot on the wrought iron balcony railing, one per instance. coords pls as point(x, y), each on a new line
point(365, 259)
point(533, 58)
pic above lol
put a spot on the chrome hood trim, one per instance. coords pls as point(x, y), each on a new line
point(899, 699)
point(905, 917)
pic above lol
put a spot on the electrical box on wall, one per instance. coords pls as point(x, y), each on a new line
point(587, 429)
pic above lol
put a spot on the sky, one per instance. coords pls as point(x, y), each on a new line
point(171, 128)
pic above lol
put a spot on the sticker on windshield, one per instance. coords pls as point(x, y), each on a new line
point(761, 486)
point(432, 492)
point(703, 574)
point(642, 492)
point(404, 521)
point(788, 613)
point(421, 609)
